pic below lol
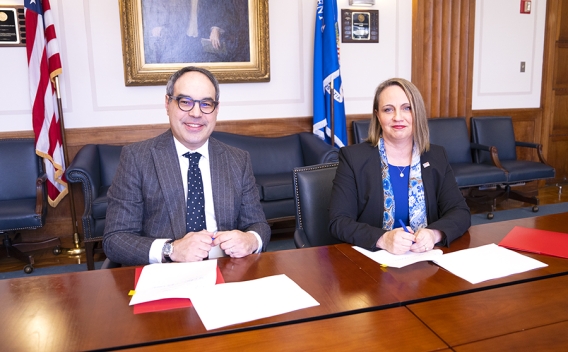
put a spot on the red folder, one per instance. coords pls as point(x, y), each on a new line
point(168, 303)
point(537, 241)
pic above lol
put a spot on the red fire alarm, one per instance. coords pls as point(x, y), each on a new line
point(525, 6)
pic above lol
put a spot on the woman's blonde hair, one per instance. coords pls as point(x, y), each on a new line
point(420, 132)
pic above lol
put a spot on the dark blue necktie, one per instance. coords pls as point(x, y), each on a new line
point(195, 212)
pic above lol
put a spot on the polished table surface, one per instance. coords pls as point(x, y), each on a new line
point(425, 280)
point(394, 329)
point(533, 312)
point(89, 310)
point(531, 315)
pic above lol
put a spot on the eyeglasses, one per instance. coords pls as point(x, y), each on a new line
point(206, 106)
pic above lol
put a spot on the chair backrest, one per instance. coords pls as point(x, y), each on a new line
point(360, 130)
point(452, 134)
point(109, 157)
point(19, 168)
point(312, 186)
point(494, 131)
point(269, 155)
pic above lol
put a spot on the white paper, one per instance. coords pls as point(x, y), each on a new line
point(238, 302)
point(486, 262)
point(173, 280)
point(216, 252)
point(400, 260)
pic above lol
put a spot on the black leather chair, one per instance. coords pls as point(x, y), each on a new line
point(273, 160)
point(498, 131)
point(312, 195)
point(360, 130)
point(23, 198)
point(94, 167)
point(452, 134)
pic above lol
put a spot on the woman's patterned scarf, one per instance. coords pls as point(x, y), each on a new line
point(416, 200)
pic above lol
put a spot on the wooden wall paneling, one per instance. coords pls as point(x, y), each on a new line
point(562, 26)
point(442, 61)
point(561, 65)
point(554, 93)
point(560, 108)
point(421, 48)
point(557, 157)
point(437, 65)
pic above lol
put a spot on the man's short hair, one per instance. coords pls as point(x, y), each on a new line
point(173, 79)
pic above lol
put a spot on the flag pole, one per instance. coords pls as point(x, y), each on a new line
point(332, 113)
point(77, 250)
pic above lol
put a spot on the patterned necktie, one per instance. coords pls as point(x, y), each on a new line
point(195, 214)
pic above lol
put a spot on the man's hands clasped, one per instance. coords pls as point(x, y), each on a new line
point(195, 246)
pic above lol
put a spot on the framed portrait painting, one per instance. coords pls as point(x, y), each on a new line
point(228, 37)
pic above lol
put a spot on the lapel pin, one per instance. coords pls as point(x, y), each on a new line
point(426, 164)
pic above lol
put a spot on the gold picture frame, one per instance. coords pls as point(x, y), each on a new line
point(143, 66)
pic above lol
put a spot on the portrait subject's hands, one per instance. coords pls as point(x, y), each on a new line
point(235, 243)
point(396, 241)
point(193, 247)
point(215, 37)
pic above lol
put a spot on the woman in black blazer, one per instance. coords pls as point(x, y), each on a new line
point(397, 178)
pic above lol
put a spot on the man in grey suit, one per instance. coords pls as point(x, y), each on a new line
point(146, 215)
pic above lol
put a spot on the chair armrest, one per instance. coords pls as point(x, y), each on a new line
point(300, 239)
point(316, 151)
point(536, 146)
point(41, 201)
point(527, 144)
point(85, 168)
point(492, 151)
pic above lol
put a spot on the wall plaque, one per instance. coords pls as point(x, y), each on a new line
point(359, 26)
point(12, 26)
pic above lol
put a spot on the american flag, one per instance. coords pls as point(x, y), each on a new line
point(44, 64)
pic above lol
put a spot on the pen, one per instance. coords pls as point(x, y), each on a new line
point(404, 227)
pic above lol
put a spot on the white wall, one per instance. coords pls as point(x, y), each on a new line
point(94, 93)
point(93, 87)
point(503, 38)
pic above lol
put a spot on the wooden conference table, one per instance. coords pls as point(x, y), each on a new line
point(531, 315)
point(89, 310)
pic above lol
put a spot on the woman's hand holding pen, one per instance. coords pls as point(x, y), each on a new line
point(425, 240)
point(397, 241)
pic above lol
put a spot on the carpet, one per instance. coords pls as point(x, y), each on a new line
point(512, 214)
point(288, 243)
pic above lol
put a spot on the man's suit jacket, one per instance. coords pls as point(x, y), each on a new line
point(357, 199)
point(146, 199)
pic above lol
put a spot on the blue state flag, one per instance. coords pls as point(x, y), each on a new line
point(326, 71)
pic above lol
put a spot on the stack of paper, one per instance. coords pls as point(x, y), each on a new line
point(474, 264)
point(223, 304)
